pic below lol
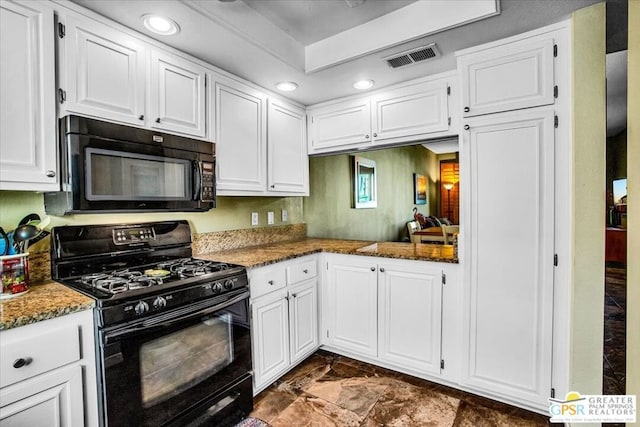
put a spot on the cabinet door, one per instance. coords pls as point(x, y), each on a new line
point(177, 95)
point(508, 77)
point(508, 292)
point(105, 72)
point(270, 336)
point(49, 400)
point(303, 315)
point(352, 297)
point(240, 132)
point(410, 303)
point(340, 126)
point(288, 164)
point(27, 101)
point(410, 112)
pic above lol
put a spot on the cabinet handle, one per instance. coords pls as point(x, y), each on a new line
point(466, 127)
point(50, 174)
point(466, 109)
point(294, 295)
point(366, 136)
point(375, 135)
point(381, 269)
point(305, 271)
point(270, 282)
point(19, 363)
point(141, 117)
point(287, 297)
point(373, 269)
point(158, 120)
point(273, 186)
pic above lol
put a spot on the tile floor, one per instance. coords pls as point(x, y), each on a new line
point(331, 390)
point(614, 330)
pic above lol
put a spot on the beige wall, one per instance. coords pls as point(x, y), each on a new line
point(232, 212)
point(588, 203)
point(633, 185)
point(328, 210)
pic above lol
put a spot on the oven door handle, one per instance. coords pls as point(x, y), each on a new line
point(168, 319)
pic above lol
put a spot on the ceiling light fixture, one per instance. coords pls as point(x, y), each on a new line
point(160, 24)
point(363, 84)
point(287, 86)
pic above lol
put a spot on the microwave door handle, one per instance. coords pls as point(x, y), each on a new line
point(197, 180)
point(151, 325)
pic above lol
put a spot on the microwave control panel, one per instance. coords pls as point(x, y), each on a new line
point(127, 236)
point(206, 193)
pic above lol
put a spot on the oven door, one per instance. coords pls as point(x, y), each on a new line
point(174, 368)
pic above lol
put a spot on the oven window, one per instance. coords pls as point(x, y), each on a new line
point(171, 364)
point(115, 175)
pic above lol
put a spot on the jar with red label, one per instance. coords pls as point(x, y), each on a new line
point(14, 273)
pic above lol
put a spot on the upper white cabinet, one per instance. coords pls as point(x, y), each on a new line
point(287, 160)
point(106, 72)
point(340, 126)
point(240, 131)
point(410, 111)
point(177, 95)
point(508, 77)
point(27, 97)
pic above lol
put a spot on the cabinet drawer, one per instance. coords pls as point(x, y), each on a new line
point(266, 279)
point(40, 352)
point(301, 270)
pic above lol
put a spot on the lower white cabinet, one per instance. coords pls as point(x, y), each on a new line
point(385, 310)
point(48, 375)
point(284, 319)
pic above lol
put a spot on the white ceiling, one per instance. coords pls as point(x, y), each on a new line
point(264, 41)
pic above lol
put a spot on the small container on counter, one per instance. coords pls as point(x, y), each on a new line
point(14, 271)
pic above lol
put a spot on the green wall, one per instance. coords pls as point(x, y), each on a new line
point(328, 210)
point(232, 212)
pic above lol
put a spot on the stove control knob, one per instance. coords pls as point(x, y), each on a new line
point(217, 288)
point(228, 284)
point(159, 303)
point(141, 308)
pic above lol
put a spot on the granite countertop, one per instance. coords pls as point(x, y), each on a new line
point(44, 301)
point(257, 256)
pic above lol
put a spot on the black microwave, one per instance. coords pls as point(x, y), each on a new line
point(106, 167)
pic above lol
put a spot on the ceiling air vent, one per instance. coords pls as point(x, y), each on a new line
point(411, 56)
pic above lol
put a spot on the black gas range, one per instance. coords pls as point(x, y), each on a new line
point(172, 331)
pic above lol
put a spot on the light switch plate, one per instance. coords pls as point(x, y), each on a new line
point(254, 218)
point(270, 218)
point(285, 215)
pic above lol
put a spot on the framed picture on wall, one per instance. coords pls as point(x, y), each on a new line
point(419, 189)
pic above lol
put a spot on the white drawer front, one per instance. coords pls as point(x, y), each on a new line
point(37, 352)
point(266, 279)
point(301, 270)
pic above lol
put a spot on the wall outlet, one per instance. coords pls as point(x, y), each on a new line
point(270, 218)
point(254, 218)
point(285, 215)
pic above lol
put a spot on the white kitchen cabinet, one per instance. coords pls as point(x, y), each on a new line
point(507, 77)
point(177, 95)
point(340, 126)
point(105, 71)
point(284, 328)
point(410, 315)
point(42, 387)
point(287, 160)
point(411, 112)
point(240, 134)
point(509, 272)
point(352, 304)
point(28, 155)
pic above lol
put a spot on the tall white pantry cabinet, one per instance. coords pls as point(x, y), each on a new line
point(515, 96)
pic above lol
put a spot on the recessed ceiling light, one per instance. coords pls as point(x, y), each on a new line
point(363, 84)
point(160, 24)
point(287, 86)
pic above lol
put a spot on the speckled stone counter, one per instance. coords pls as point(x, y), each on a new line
point(257, 256)
point(43, 301)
